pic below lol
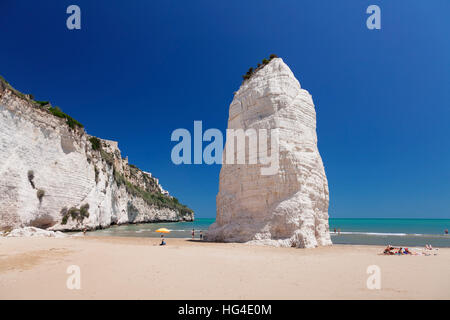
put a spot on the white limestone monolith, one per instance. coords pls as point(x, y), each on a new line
point(289, 207)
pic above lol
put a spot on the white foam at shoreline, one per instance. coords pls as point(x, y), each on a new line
point(388, 234)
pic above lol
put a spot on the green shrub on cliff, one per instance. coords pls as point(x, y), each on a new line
point(108, 157)
point(76, 214)
point(71, 122)
point(65, 216)
point(40, 194)
point(251, 71)
point(7, 85)
point(30, 175)
point(96, 174)
point(84, 211)
point(97, 146)
point(4, 80)
point(57, 112)
point(64, 211)
point(42, 103)
point(95, 143)
point(151, 198)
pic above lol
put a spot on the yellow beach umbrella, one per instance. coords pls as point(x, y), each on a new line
point(163, 230)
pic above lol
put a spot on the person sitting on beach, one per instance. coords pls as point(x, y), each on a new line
point(407, 251)
point(163, 242)
point(400, 251)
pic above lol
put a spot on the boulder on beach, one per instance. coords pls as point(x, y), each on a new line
point(28, 232)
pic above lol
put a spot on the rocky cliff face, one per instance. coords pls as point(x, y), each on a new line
point(290, 207)
point(54, 175)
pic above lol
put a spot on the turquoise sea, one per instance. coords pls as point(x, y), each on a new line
point(401, 232)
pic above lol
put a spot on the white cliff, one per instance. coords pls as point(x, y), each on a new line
point(289, 207)
point(53, 176)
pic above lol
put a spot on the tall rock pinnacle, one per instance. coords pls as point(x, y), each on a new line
point(286, 207)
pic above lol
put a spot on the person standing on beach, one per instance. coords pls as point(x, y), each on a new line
point(339, 231)
point(193, 234)
point(201, 235)
point(446, 231)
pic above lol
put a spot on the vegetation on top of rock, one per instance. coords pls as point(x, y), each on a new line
point(252, 71)
point(71, 122)
point(19, 94)
point(3, 80)
point(42, 103)
point(96, 143)
point(45, 105)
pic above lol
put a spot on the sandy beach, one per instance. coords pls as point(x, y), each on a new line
point(137, 268)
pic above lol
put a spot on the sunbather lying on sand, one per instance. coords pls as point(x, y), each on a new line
point(408, 252)
point(388, 250)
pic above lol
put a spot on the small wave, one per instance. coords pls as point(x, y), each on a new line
point(375, 233)
point(389, 234)
point(382, 234)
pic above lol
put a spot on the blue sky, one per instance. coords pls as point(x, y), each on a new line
point(137, 70)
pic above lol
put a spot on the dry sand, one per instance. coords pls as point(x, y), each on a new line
point(137, 268)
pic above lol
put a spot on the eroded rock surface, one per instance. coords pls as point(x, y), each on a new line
point(51, 176)
point(32, 232)
point(290, 207)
